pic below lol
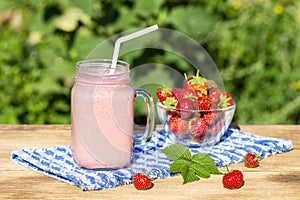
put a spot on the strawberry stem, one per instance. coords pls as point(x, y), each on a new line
point(185, 76)
point(147, 174)
point(166, 89)
point(170, 102)
point(197, 73)
point(259, 154)
point(227, 169)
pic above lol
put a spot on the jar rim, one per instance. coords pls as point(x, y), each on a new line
point(102, 67)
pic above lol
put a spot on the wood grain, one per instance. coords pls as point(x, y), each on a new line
point(278, 176)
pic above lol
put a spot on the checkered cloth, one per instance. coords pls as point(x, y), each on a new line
point(57, 162)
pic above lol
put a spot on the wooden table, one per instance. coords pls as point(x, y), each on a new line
point(278, 176)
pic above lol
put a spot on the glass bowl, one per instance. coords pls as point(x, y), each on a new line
point(195, 127)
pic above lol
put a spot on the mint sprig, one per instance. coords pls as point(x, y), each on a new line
point(191, 167)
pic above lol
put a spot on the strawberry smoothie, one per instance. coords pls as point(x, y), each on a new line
point(102, 117)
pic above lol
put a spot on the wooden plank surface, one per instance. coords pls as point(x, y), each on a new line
point(278, 176)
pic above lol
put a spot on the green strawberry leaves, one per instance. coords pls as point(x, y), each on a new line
point(191, 167)
point(175, 151)
point(198, 79)
point(170, 102)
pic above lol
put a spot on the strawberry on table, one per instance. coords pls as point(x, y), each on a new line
point(178, 125)
point(141, 181)
point(233, 179)
point(251, 160)
point(163, 92)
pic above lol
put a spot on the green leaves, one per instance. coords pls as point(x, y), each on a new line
point(191, 167)
point(175, 151)
point(185, 18)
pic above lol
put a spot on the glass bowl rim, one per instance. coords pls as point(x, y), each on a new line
point(159, 104)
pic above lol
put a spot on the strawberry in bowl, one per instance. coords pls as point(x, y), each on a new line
point(197, 114)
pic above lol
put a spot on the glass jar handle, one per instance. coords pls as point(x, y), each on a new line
point(150, 123)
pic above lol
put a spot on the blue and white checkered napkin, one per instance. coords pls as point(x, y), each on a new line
point(57, 162)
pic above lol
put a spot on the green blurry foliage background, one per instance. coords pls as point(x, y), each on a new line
point(255, 44)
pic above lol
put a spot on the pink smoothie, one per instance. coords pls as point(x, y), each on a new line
point(102, 121)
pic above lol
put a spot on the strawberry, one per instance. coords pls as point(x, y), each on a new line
point(229, 99)
point(211, 84)
point(198, 138)
point(171, 102)
point(215, 94)
point(186, 106)
point(251, 160)
point(214, 129)
point(162, 93)
point(187, 93)
point(178, 125)
point(199, 93)
point(225, 100)
point(176, 93)
point(183, 106)
point(233, 179)
point(186, 84)
point(198, 127)
point(210, 117)
point(197, 84)
point(203, 103)
point(141, 181)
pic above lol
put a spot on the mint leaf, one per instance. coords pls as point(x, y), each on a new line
point(178, 166)
point(189, 175)
point(175, 151)
point(206, 162)
point(200, 170)
point(191, 167)
point(183, 167)
point(202, 158)
point(186, 155)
